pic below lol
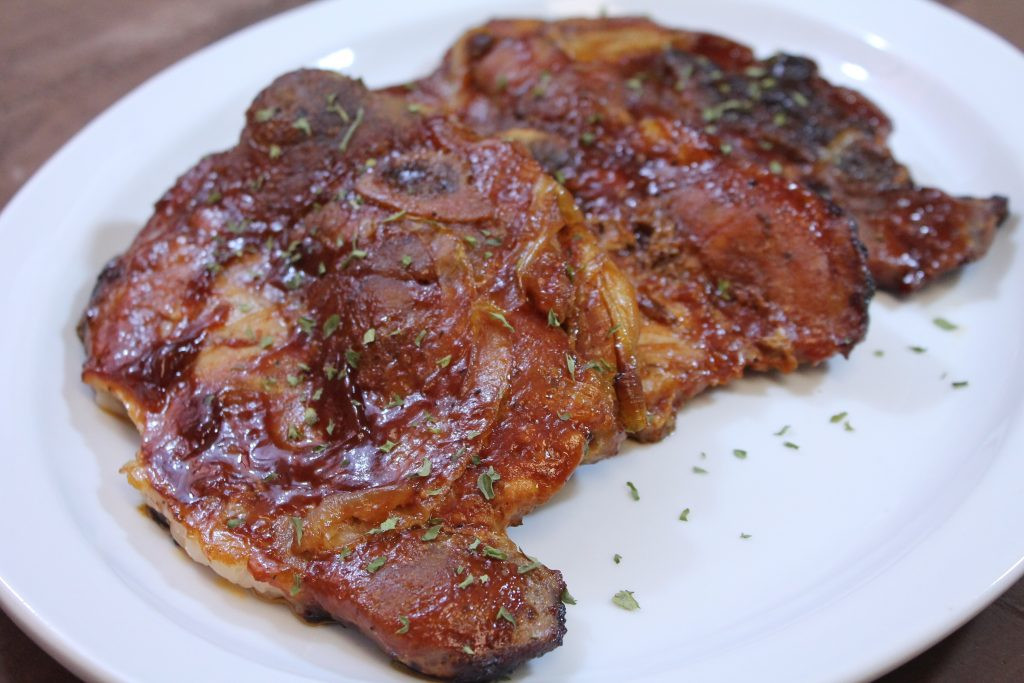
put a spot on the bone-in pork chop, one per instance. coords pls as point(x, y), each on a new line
point(777, 112)
point(357, 346)
point(735, 267)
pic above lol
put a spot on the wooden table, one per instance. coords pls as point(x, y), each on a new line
point(65, 62)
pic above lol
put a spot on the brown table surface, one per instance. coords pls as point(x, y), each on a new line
point(65, 61)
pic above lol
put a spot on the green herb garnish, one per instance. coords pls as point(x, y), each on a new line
point(633, 493)
point(626, 601)
point(714, 113)
point(343, 145)
point(542, 86)
point(500, 317)
point(526, 568)
point(485, 482)
point(302, 123)
point(506, 615)
point(424, 470)
point(387, 525)
point(496, 553)
point(333, 106)
point(306, 324)
point(331, 324)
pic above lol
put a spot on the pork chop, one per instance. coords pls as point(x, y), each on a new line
point(735, 267)
point(357, 346)
point(777, 112)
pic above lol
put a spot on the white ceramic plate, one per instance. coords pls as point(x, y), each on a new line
point(864, 547)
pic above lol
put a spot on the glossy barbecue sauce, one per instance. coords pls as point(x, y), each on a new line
point(301, 323)
point(777, 112)
point(735, 266)
point(357, 346)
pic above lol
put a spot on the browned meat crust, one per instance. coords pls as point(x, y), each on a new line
point(735, 266)
point(357, 346)
point(777, 112)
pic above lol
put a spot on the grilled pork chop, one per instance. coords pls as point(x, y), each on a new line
point(357, 346)
point(735, 267)
point(776, 112)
